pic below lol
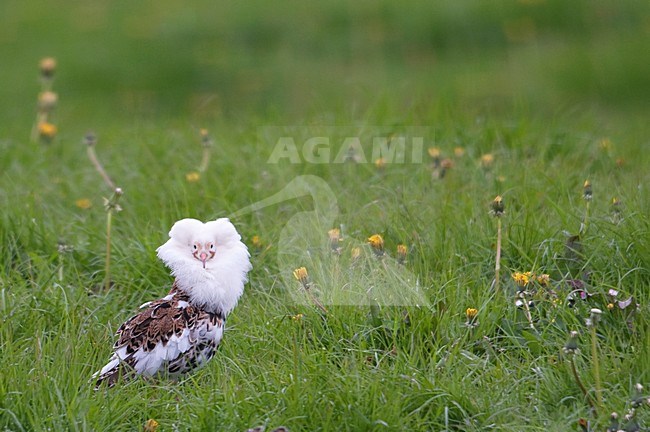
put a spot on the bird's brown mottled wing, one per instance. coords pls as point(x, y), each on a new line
point(157, 323)
point(170, 335)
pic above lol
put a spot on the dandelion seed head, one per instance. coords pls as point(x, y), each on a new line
point(90, 139)
point(47, 100)
point(447, 163)
point(571, 346)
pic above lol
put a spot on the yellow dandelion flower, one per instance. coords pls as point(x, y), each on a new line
point(380, 163)
point(521, 279)
point(83, 203)
point(471, 313)
point(498, 208)
point(487, 160)
point(376, 241)
point(402, 251)
point(297, 317)
point(256, 241)
point(335, 239)
point(205, 138)
point(192, 177)
point(605, 144)
point(610, 306)
point(459, 152)
point(355, 253)
point(301, 275)
point(47, 130)
point(434, 152)
point(616, 207)
point(587, 192)
point(544, 279)
point(150, 425)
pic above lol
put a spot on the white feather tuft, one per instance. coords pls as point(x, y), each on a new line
point(219, 285)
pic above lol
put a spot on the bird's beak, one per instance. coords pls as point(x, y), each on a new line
point(203, 256)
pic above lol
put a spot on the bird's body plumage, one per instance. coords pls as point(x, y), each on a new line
point(180, 332)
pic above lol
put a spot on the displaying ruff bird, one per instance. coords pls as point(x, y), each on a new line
point(181, 331)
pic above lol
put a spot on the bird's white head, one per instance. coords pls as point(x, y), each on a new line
point(208, 260)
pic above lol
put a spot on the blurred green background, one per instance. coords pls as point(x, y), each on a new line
point(134, 60)
point(540, 85)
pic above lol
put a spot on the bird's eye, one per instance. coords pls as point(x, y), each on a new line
point(195, 247)
point(211, 246)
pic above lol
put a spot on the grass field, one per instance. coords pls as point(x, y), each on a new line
point(525, 100)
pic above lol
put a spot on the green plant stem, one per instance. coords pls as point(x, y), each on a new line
point(107, 271)
point(205, 161)
point(98, 166)
point(529, 317)
point(497, 265)
point(316, 301)
point(60, 270)
point(596, 366)
point(583, 389)
point(585, 222)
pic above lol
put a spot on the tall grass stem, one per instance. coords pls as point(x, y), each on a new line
point(497, 264)
point(107, 267)
point(596, 366)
